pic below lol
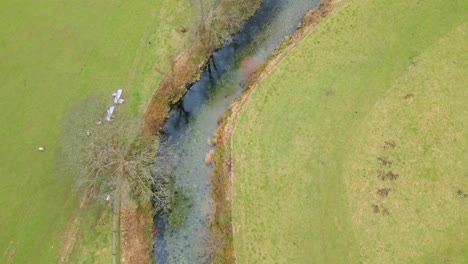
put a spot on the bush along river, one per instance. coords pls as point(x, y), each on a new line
point(181, 235)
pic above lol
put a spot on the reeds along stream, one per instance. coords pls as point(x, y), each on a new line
point(181, 235)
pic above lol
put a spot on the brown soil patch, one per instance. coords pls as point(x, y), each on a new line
point(375, 208)
point(249, 66)
point(209, 158)
point(70, 239)
point(383, 192)
point(133, 230)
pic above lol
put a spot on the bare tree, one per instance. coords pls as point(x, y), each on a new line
point(102, 155)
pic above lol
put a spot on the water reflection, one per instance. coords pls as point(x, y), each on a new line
point(181, 233)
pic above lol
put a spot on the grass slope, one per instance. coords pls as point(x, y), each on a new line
point(306, 149)
point(53, 54)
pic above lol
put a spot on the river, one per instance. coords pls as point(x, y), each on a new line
point(181, 234)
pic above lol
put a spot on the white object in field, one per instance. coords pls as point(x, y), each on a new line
point(88, 133)
point(41, 149)
point(121, 101)
point(108, 197)
point(98, 122)
point(117, 96)
point(109, 113)
point(114, 94)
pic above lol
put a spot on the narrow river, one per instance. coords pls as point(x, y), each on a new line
point(182, 232)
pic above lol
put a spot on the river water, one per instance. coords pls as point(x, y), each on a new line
point(181, 234)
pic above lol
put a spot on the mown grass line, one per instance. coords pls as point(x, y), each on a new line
point(294, 199)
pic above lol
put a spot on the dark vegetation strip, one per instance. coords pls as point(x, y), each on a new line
point(223, 176)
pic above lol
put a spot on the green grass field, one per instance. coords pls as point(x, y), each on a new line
point(377, 80)
point(53, 54)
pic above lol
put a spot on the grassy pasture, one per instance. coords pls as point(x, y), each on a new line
point(53, 54)
point(307, 148)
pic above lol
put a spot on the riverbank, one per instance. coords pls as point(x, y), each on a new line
point(185, 69)
point(223, 176)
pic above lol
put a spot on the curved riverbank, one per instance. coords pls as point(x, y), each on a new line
point(224, 176)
